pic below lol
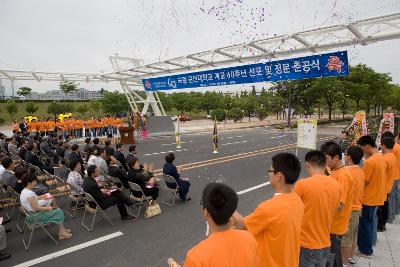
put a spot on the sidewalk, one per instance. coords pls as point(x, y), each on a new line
point(387, 250)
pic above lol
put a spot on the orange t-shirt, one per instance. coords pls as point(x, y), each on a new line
point(391, 171)
point(375, 180)
point(396, 151)
point(320, 195)
point(235, 248)
point(276, 226)
point(341, 218)
point(358, 186)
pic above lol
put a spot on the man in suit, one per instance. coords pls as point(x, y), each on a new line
point(46, 148)
point(23, 126)
point(107, 198)
point(109, 150)
point(12, 146)
point(22, 150)
point(88, 145)
point(96, 142)
point(115, 171)
point(75, 154)
point(8, 176)
point(131, 155)
point(33, 159)
point(119, 155)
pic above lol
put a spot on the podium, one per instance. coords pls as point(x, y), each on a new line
point(127, 135)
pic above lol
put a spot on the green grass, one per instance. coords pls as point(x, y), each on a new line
point(42, 111)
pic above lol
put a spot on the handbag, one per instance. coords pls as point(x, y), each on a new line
point(152, 210)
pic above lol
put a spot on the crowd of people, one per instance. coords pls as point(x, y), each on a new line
point(76, 127)
point(327, 219)
point(103, 171)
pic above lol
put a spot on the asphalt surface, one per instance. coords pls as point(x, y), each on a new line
point(241, 163)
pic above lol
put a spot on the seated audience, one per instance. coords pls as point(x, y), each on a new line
point(109, 150)
point(88, 145)
point(91, 157)
point(100, 161)
point(32, 158)
point(171, 170)
point(75, 154)
point(9, 177)
point(41, 207)
point(115, 171)
point(119, 155)
point(224, 246)
point(75, 178)
point(131, 155)
point(107, 198)
point(144, 178)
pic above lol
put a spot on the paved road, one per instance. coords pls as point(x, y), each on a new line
point(241, 164)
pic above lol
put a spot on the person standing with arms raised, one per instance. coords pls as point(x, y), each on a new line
point(321, 196)
point(276, 223)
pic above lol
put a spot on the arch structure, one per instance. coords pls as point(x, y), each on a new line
point(129, 72)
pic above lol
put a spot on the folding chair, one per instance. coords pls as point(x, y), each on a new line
point(71, 199)
point(38, 171)
point(61, 172)
point(32, 226)
point(13, 200)
point(94, 211)
point(173, 191)
point(136, 188)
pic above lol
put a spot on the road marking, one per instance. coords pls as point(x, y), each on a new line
point(207, 162)
point(238, 142)
point(231, 137)
point(164, 152)
point(252, 188)
point(69, 250)
point(175, 143)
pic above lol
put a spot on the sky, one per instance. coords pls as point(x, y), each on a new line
point(80, 35)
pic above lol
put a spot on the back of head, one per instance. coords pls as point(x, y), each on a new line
point(91, 169)
point(108, 160)
point(30, 147)
point(132, 148)
point(73, 164)
point(331, 149)
point(118, 146)
point(96, 141)
point(107, 142)
point(387, 134)
point(99, 152)
point(316, 158)
point(170, 157)
point(28, 178)
point(6, 162)
point(87, 140)
point(20, 171)
point(287, 164)
point(388, 142)
point(356, 154)
point(74, 147)
point(220, 201)
point(366, 140)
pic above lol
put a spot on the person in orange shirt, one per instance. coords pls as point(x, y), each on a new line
point(387, 144)
point(224, 246)
point(341, 219)
point(394, 195)
point(320, 195)
point(15, 126)
point(276, 223)
point(374, 195)
point(349, 242)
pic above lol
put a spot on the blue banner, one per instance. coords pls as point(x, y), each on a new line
point(316, 66)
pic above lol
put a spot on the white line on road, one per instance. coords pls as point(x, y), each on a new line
point(164, 152)
point(175, 143)
point(69, 250)
point(252, 188)
point(238, 142)
point(231, 137)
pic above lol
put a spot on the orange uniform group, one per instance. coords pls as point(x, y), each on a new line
point(73, 124)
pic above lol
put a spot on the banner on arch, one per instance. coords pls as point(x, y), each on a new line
point(315, 66)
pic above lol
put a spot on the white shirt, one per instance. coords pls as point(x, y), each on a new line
point(1, 171)
point(92, 160)
point(25, 195)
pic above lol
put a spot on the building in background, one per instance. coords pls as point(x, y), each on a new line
point(55, 95)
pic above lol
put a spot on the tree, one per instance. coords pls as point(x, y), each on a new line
point(181, 102)
point(82, 109)
point(209, 101)
point(59, 108)
point(96, 106)
point(114, 103)
point(166, 101)
point(219, 114)
point(68, 87)
point(329, 88)
point(24, 91)
point(261, 113)
point(12, 108)
point(31, 108)
point(253, 90)
point(235, 114)
point(248, 105)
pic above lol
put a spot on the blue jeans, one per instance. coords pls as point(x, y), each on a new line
point(397, 197)
point(375, 227)
point(366, 229)
point(392, 204)
point(314, 257)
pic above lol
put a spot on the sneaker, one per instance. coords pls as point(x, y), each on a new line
point(360, 254)
point(352, 261)
point(4, 257)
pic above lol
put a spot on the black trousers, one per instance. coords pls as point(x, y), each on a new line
point(120, 199)
point(336, 248)
point(383, 214)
